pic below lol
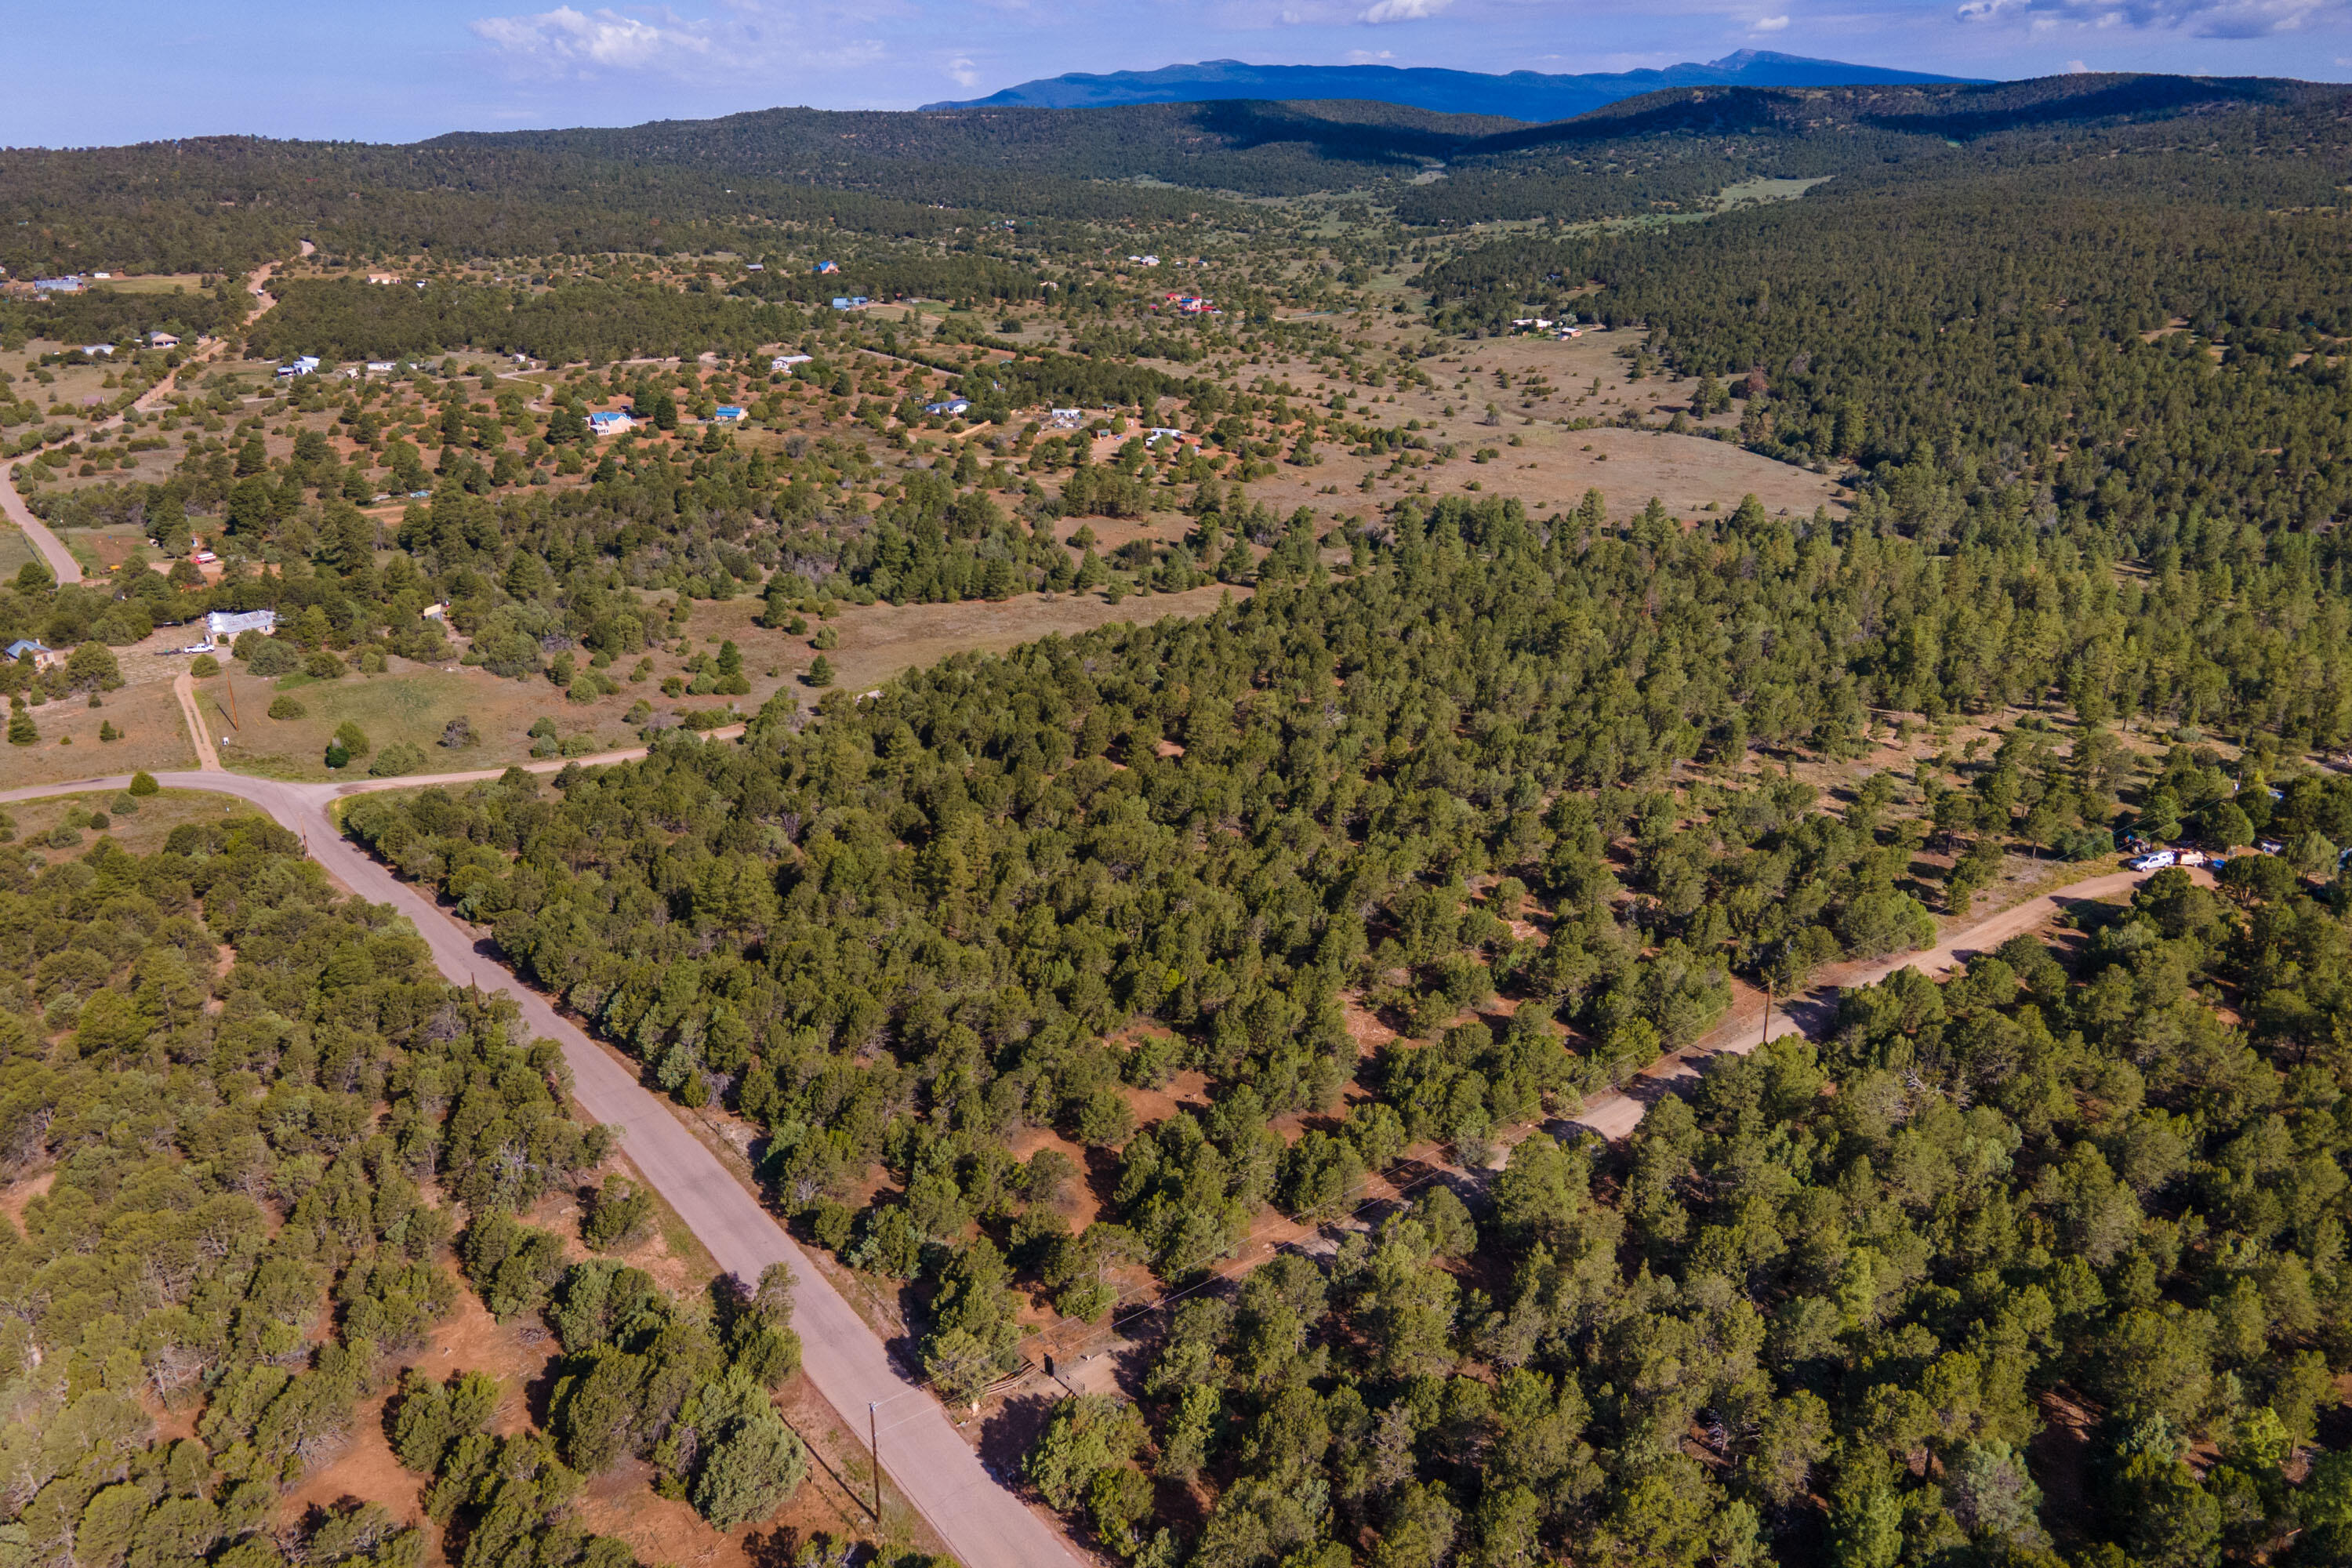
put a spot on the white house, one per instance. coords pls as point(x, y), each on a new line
point(306, 364)
point(382, 367)
point(162, 340)
point(223, 628)
point(383, 278)
point(94, 350)
point(786, 362)
point(610, 424)
point(947, 406)
point(727, 413)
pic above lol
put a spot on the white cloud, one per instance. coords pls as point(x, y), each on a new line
point(1404, 10)
point(570, 44)
point(564, 41)
point(1370, 56)
point(1769, 24)
point(963, 72)
point(2076, 68)
point(2198, 18)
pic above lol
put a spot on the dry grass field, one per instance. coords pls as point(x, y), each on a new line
point(75, 387)
point(154, 737)
point(413, 703)
point(410, 704)
point(1538, 386)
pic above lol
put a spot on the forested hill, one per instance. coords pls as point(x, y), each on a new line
point(1674, 151)
point(227, 203)
point(1259, 147)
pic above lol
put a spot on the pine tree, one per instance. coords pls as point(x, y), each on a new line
point(21, 731)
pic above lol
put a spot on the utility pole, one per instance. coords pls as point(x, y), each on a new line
point(230, 682)
point(874, 1448)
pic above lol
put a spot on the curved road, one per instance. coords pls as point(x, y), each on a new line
point(983, 1525)
point(52, 549)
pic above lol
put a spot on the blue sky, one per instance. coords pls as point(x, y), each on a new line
point(140, 69)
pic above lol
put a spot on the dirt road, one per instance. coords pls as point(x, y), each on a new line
point(184, 686)
point(52, 549)
point(983, 1525)
point(1616, 1113)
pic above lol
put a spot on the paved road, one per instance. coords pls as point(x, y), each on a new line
point(52, 549)
point(1616, 1113)
point(982, 1524)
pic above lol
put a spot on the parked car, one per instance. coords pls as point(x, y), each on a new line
point(2158, 861)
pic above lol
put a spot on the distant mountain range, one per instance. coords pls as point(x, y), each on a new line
point(1522, 95)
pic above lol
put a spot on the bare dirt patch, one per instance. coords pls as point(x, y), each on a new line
point(16, 1194)
point(468, 1339)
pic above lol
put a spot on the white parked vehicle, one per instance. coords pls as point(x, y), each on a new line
point(2158, 861)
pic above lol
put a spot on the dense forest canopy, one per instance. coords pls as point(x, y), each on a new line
point(901, 932)
point(257, 1080)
